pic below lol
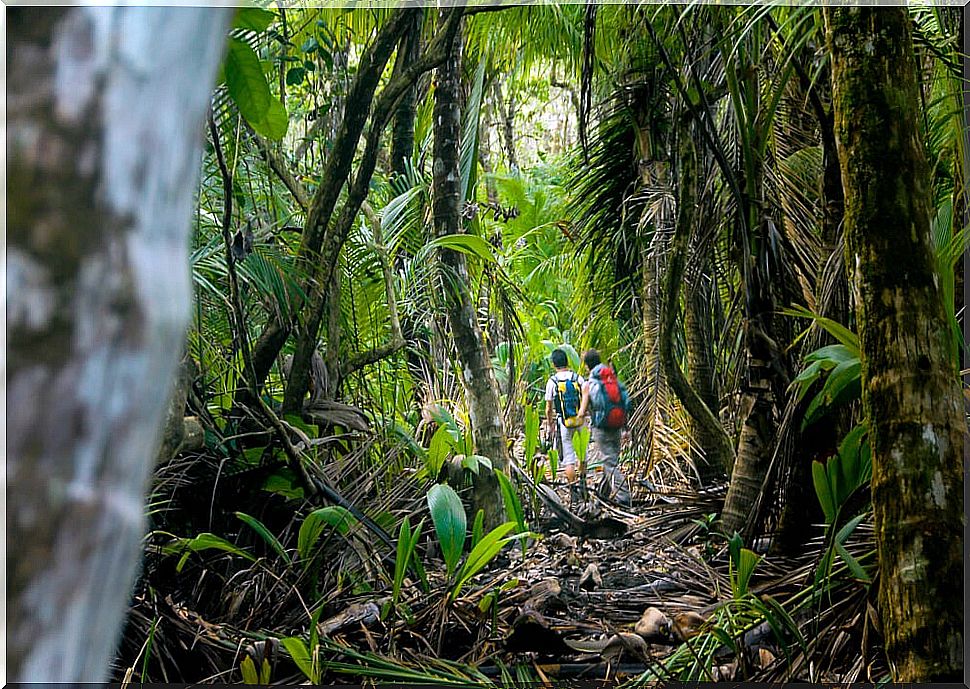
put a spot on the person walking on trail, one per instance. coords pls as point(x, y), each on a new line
point(563, 394)
point(606, 400)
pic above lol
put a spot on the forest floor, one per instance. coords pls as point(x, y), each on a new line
point(603, 592)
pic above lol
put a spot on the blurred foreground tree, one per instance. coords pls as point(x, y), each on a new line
point(105, 111)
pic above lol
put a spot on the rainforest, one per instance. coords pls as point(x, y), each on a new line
point(486, 344)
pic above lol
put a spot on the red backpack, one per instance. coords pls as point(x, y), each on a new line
point(608, 398)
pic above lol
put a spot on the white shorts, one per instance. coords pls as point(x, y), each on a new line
point(567, 451)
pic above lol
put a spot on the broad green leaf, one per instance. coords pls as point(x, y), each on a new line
point(334, 516)
point(274, 122)
point(836, 354)
point(448, 516)
point(469, 244)
point(295, 75)
point(513, 505)
point(824, 491)
point(406, 541)
point(531, 432)
point(439, 448)
point(580, 441)
point(840, 378)
point(300, 655)
point(474, 463)
point(265, 534)
point(253, 18)
point(246, 82)
point(746, 563)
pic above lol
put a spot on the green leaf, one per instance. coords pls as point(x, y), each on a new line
point(836, 330)
point(482, 554)
point(295, 75)
point(857, 570)
point(580, 441)
point(747, 562)
point(284, 482)
point(478, 527)
point(513, 505)
point(246, 82)
point(474, 463)
point(254, 19)
point(439, 448)
point(204, 541)
point(448, 516)
point(334, 516)
point(823, 491)
point(300, 655)
point(266, 535)
point(531, 432)
point(469, 244)
point(836, 353)
point(406, 541)
point(725, 638)
point(248, 669)
point(847, 530)
point(468, 156)
point(274, 122)
point(309, 45)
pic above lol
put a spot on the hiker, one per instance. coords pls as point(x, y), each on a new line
point(606, 400)
point(563, 393)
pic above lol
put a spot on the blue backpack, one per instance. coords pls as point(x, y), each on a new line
point(566, 400)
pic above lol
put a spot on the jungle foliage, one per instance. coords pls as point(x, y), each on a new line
point(661, 183)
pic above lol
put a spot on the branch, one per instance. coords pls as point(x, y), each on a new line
point(279, 166)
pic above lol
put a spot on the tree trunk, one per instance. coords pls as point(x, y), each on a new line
point(481, 391)
point(910, 390)
point(103, 151)
point(766, 383)
point(699, 339)
point(402, 137)
point(699, 411)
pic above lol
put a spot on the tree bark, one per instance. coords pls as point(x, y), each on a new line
point(103, 151)
point(481, 390)
point(699, 339)
point(910, 389)
point(402, 137)
point(699, 411)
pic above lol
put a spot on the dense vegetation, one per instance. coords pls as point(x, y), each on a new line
point(756, 214)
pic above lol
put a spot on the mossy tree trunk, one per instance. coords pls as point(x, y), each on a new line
point(481, 390)
point(103, 147)
point(910, 391)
